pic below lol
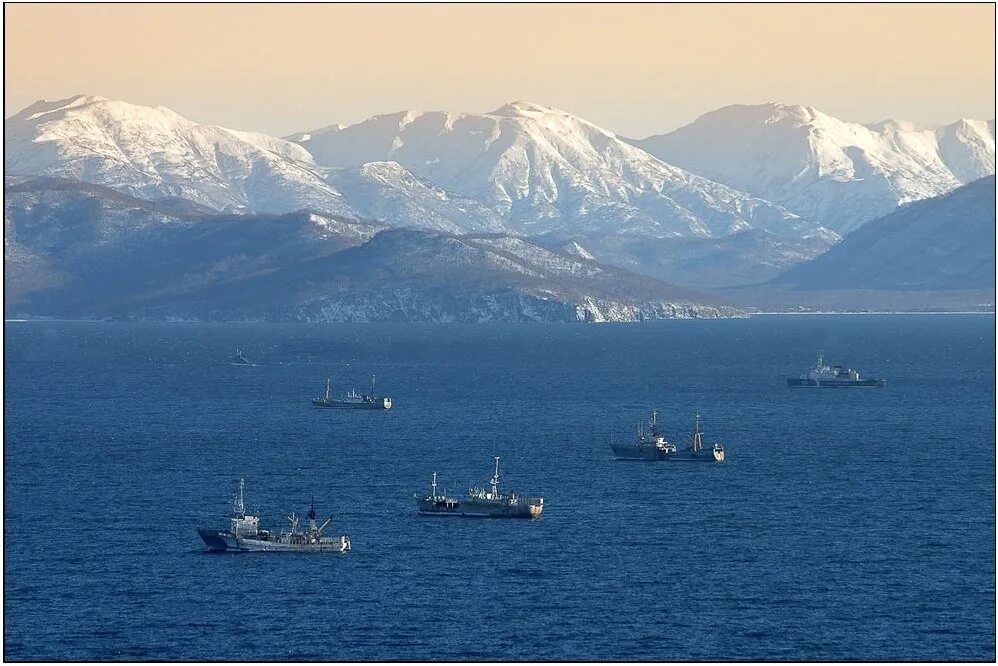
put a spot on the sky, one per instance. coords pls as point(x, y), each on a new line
point(634, 69)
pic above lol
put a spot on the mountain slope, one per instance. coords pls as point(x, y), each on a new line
point(388, 191)
point(943, 243)
point(79, 250)
point(838, 174)
point(545, 170)
point(153, 153)
point(744, 258)
point(414, 275)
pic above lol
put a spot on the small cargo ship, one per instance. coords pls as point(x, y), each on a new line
point(351, 400)
point(480, 502)
point(651, 444)
point(837, 376)
point(244, 534)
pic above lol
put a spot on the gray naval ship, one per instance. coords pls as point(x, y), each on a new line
point(351, 400)
point(479, 502)
point(245, 535)
point(651, 444)
point(823, 376)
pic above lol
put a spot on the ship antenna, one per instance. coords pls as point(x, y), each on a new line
point(495, 480)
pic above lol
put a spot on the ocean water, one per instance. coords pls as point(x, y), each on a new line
point(849, 524)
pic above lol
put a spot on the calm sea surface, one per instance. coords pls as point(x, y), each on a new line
point(850, 524)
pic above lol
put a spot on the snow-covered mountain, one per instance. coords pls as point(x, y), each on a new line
point(546, 170)
point(389, 192)
point(943, 243)
point(153, 153)
point(838, 174)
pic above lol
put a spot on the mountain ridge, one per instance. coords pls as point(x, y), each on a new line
point(83, 251)
point(838, 173)
point(946, 242)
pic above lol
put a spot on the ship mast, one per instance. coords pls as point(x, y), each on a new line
point(372, 386)
point(327, 389)
point(433, 485)
point(311, 516)
point(495, 481)
point(697, 438)
point(238, 508)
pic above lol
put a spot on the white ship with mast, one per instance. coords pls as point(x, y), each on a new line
point(244, 534)
point(351, 400)
point(480, 502)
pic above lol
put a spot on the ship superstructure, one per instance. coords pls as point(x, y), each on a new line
point(650, 444)
point(244, 533)
point(351, 400)
point(824, 376)
point(480, 502)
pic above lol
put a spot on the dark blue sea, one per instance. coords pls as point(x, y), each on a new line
point(845, 524)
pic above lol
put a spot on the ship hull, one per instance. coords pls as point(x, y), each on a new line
point(217, 541)
point(351, 405)
point(651, 454)
point(475, 510)
point(804, 382)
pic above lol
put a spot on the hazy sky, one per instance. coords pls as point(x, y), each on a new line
point(634, 69)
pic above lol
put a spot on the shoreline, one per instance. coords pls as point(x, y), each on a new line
point(747, 315)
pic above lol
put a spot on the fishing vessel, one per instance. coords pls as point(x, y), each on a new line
point(824, 376)
point(651, 444)
point(240, 360)
point(351, 400)
point(480, 502)
point(244, 534)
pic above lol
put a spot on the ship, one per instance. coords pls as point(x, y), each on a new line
point(245, 535)
point(480, 502)
point(351, 400)
point(651, 444)
point(823, 376)
point(240, 360)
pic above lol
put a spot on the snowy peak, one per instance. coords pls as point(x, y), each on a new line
point(154, 153)
point(546, 170)
point(837, 173)
point(44, 106)
point(525, 110)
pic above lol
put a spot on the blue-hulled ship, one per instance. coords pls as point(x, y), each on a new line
point(480, 502)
